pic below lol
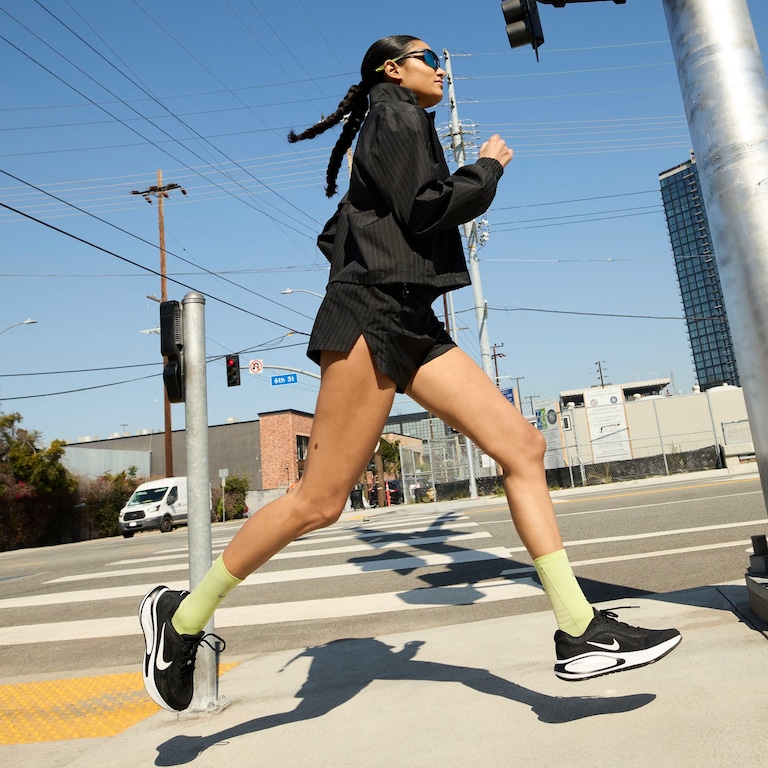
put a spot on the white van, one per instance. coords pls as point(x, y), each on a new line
point(158, 504)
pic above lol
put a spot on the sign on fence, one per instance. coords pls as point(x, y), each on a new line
point(607, 421)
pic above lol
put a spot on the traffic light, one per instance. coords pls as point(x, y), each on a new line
point(233, 370)
point(562, 3)
point(172, 349)
point(523, 24)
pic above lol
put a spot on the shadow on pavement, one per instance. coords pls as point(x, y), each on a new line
point(343, 668)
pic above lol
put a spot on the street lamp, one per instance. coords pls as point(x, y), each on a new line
point(28, 321)
point(302, 290)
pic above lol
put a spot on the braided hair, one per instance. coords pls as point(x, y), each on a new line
point(354, 106)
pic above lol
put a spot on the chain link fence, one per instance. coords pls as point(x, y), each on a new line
point(439, 470)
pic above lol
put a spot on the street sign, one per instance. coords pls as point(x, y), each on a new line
point(256, 366)
point(285, 378)
point(223, 473)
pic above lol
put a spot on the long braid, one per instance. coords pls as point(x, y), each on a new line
point(353, 107)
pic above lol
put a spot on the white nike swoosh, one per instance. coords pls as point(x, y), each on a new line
point(160, 661)
point(614, 646)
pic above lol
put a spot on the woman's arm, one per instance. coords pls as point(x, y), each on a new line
point(394, 157)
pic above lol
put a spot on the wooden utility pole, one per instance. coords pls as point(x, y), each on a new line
point(161, 192)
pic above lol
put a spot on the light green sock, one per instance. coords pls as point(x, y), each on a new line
point(572, 611)
point(197, 607)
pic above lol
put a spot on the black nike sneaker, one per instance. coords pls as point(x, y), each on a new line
point(610, 646)
point(169, 661)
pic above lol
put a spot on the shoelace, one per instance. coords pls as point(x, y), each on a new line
point(189, 652)
point(611, 614)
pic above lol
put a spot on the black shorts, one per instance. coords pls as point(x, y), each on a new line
point(396, 321)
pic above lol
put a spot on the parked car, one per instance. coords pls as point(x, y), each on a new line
point(393, 493)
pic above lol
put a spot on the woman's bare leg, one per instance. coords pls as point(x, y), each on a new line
point(352, 408)
point(456, 389)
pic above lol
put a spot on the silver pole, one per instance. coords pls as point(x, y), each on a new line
point(471, 467)
point(578, 448)
point(470, 231)
point(661, 439)
point(714, 431)
point(205, 698)
point(725, 93)
point(467, 442)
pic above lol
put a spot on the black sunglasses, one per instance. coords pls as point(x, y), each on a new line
point(430, 58)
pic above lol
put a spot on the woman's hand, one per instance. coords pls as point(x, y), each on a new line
point(497, 149)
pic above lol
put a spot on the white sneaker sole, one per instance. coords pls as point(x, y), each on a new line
point(148, 619)
point(596, 663)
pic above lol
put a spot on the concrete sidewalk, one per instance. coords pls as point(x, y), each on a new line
point(479, 694)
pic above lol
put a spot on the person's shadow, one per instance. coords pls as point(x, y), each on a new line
point(343, 668)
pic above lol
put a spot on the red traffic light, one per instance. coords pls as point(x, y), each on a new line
point(233, 370)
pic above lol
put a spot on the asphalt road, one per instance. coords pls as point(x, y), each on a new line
point(69, 609)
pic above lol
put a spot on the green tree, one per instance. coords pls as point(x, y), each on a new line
point(390, 455)
point(103, 498)
point(236, 489)
point(36, 489)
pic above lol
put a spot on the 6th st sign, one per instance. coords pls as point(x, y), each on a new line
point(286, 378)
point(257, 366)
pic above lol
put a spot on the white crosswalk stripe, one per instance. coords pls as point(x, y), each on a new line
point(404, 544)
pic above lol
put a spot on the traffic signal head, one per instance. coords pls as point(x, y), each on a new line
point(523, 24)
point(562, 3)
point(172, 349)
point(233, 370)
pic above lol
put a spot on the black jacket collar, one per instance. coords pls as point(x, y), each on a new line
point(383, 92)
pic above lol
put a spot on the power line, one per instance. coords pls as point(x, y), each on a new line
point(133, 130)
point(137, 237)
point(649, 208)
point(720, 318)
point(147, 269)
point(210, 358)
point(160, 104)
point(582, 221)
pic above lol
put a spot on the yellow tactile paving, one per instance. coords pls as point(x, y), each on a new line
point(76, 708)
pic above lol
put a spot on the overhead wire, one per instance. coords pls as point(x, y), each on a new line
point(148, 269)
point(194, 58)
point(137, 237)
point(133, 130)
point(163, 106)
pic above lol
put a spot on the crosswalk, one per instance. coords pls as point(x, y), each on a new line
point(407, 560)
point(401, 549)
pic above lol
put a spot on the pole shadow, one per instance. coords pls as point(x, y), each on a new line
point(343, 668)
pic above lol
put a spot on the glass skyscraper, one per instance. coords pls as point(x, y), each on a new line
point(708, 331)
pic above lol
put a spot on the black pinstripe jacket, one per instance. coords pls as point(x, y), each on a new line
point(398, 222)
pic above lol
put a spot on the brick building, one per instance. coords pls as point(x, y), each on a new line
point(269, 451)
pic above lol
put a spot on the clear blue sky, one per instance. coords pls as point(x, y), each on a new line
point(207, 91)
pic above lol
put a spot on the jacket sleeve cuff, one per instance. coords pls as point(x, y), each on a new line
point(493, 165)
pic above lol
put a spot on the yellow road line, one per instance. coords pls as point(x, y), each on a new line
point(75, 708)
point(653, 490)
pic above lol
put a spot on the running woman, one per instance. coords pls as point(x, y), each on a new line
point(394, 247)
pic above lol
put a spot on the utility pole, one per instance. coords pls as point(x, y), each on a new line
point(496, 355)
point(160, 192)
point(518, 379)
point(530, 400)
point(725, 94)
point(600, 375)
point(470, 229)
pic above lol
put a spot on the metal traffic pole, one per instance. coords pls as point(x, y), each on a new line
point(725, 93)
point(206, 698)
